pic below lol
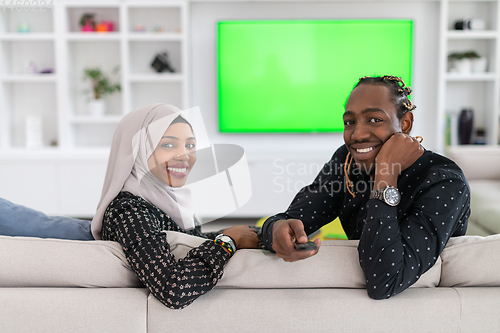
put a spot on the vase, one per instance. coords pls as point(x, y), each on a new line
point(97, 107)
point(34, 132)
point(463, 66)
point(479, 65)
point(465, 126)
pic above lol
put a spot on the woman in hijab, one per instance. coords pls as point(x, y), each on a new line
point(153, 151)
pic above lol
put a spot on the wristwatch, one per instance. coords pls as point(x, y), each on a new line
point(226, 239)
point(389, 194)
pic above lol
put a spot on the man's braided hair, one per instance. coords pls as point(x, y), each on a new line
point(399, 91)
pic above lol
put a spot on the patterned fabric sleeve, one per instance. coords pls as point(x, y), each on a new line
point(394, 255)
point(176, 283)
point(316, 204)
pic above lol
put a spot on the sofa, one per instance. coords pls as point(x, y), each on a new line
point(481, 166)
point(52, 285)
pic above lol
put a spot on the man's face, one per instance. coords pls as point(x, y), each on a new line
point(370, 120)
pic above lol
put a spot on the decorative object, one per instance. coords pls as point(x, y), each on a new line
point(34, 132)
point(110, 24)
point(97, 107)
point(479, 65)
point(47, 71)
point(463, 62)
point(23, 27)
point(161, 63)
point(101, 27)
point(159, 29)
point(87, 23)
point(465, 123)
point(101, 86)
point(451, 128)
point(30, 67)
point(480, 137)
point(470, 24)
point(139, 28)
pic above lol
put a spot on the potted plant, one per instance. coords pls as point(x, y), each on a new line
point(467, 62)
point(87, 23)
point(459, 63)
point(101, 86)
point(478, 63)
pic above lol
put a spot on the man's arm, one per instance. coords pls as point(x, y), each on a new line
point(393, 256)
point(314, 206)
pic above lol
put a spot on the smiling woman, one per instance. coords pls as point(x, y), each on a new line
point(152, 155)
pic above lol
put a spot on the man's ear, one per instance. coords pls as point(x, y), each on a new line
point(407, 122)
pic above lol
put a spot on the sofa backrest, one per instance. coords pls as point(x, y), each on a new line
point(477, 162)
point(36, 262)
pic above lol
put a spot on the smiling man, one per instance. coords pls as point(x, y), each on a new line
point(401, 201)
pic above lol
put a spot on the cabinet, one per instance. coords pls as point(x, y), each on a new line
point(54, 105)
point(470, 89)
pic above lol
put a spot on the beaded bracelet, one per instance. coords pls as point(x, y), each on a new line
point(224, 245)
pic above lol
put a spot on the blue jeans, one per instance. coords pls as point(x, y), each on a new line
point(17, 220)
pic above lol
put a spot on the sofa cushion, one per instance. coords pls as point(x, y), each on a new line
point(313, 310)
point(37, 262)
point(489, 218)
point(485, 195)
point(335, 265)
point(471, 261)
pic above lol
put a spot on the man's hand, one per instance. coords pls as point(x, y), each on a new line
point(398, 153)
point(244, 237)
point(285, 234)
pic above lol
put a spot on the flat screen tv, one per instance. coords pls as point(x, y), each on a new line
point(295, 76)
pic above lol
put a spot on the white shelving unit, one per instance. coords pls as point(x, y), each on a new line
point(55, 42)
point(479, 91)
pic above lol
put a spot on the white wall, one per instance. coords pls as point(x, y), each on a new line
point(204, 16)
point(269, 155)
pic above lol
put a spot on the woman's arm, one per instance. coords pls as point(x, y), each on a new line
point(176, 283)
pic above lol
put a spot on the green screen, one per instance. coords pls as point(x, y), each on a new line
point(295, 76)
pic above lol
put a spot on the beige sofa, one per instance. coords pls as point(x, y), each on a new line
point(481, 166)
point(49, 285)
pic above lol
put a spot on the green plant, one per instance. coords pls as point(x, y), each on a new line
point(456, 56)
point(86, 18)
point(101, 84)
point(471, 55)
point(463, 55)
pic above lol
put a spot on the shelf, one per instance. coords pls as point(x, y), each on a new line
point(56, 41)
point(93, 36)
point(32, 36)
point(155, 36)
point(84, 120)
point(471, 34)
point(455, 77)
point(159, 77)
point(33, 78)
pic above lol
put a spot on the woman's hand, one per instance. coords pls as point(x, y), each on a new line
point(244, 237)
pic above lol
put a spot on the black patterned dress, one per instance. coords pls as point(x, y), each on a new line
point(137, 225)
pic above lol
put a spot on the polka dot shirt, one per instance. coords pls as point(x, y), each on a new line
point(397, 244)
point(137, 225)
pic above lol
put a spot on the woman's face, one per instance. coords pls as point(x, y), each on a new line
point(174, 156)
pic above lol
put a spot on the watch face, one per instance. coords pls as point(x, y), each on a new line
point(225, 238)
point(392, 196)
